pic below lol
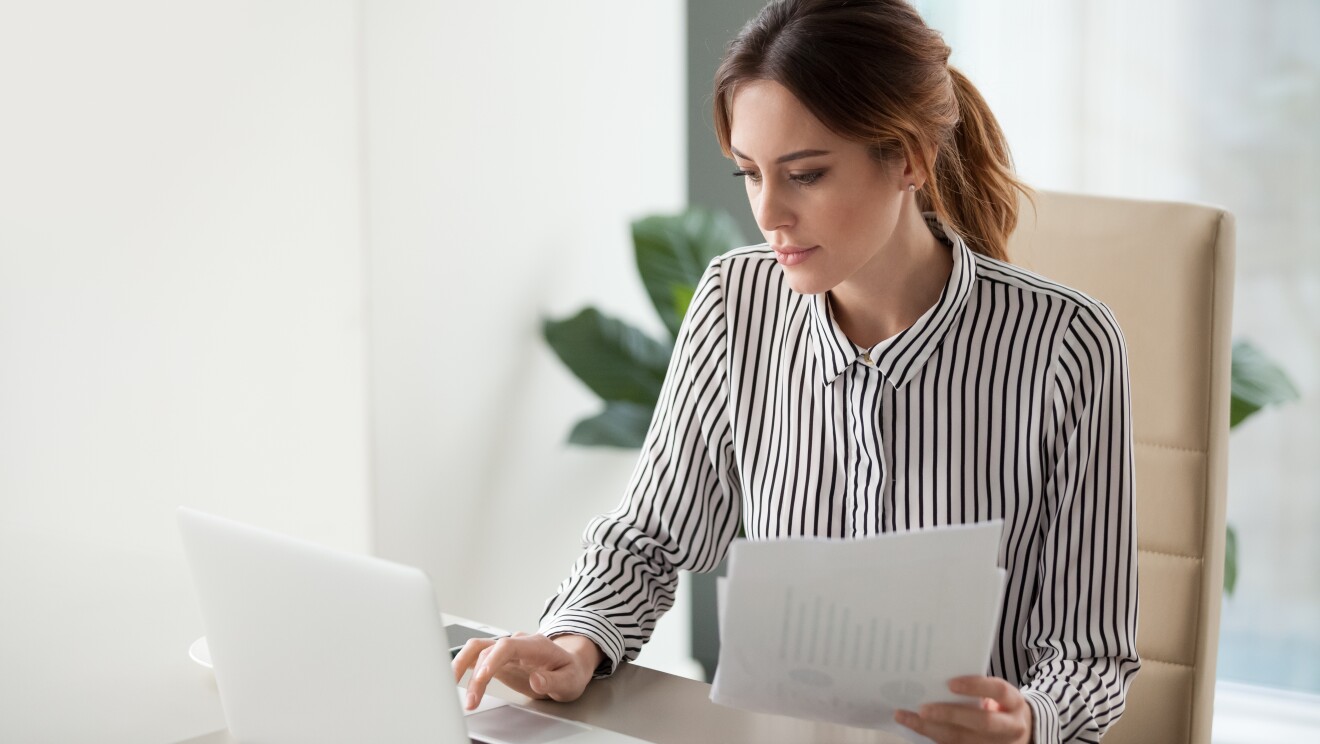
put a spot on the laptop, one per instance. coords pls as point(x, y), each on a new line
point(314, 645)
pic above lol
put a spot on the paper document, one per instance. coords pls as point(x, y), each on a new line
point(848, 631)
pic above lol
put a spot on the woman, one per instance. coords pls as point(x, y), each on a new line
point(875, 366)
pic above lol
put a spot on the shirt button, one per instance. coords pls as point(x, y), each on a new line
point(866, 359)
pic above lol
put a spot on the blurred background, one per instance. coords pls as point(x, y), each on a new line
point(288, 261)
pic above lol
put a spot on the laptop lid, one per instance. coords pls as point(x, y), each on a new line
point(311, 644)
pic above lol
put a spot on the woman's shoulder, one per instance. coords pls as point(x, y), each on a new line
point(732, 268)
point(1087, 308)
point(747, 254)
point(749, 279)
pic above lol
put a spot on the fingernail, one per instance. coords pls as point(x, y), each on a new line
point(472, 700)
point(538, 680)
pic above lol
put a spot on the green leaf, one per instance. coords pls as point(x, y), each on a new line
point(682, 298)
point(619, 425)
point(674, 250)
point(618, 362)
point(1257, 382)
point(1230, 561)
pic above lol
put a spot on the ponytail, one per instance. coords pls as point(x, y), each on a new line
point(973, 187)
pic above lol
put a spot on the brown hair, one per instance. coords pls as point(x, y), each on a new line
point(874, 72)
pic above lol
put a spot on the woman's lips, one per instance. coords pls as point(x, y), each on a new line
point(793, 255)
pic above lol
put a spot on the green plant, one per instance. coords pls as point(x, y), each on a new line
point(620, 363)
point(1257, 382)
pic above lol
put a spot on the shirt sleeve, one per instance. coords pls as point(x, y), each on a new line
point(681, 508)
point(1081, 634)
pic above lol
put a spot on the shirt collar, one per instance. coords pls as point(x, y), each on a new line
point(899, 357)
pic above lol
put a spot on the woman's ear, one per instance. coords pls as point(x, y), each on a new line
point(914, 168)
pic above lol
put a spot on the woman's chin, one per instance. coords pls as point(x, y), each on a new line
point(805, 282)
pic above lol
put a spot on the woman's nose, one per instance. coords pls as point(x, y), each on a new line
point(771, 210)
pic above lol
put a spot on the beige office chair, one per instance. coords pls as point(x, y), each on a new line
point(1166, 271)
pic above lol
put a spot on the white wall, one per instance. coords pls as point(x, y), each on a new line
point(180, 267)
point(266, 259)
point(181, 322)
point(509, 144)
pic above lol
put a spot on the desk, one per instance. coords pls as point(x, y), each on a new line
point(667, 709)
point(94, 642)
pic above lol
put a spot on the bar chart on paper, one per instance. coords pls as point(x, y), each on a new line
point(850, 631)
point(821, 637)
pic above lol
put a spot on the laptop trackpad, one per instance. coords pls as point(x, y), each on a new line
point(509, 725)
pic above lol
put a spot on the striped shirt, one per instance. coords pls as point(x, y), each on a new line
point(1008, 399)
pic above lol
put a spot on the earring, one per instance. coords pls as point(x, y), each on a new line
point(912, 187)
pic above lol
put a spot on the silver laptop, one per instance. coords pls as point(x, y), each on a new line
point(311, 644)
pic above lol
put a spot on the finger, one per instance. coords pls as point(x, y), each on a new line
point(966, 717)
point(467, 657)
point(1001, 691)
point(480, 662)
point(481, 657)
point(939, 732)
point(490, 661)
point(563, 685)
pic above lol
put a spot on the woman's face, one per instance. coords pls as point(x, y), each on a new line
point(827, 208)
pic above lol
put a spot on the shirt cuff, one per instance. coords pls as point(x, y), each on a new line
point(1046, 717)
point(592, 626)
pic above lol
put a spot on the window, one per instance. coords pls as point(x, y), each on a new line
point(1212, 101)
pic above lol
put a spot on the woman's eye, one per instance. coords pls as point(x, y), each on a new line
point(804, 179)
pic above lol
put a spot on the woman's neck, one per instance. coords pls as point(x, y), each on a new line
point(903, 282)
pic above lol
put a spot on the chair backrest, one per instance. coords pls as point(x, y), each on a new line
point(1166, 271)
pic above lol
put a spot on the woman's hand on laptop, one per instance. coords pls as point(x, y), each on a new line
point(533, 665)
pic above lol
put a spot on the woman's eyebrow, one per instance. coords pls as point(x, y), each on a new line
point(785, 158)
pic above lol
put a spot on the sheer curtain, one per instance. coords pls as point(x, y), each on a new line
point(1213, 101)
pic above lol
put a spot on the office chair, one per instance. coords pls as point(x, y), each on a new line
point(1166, 272)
